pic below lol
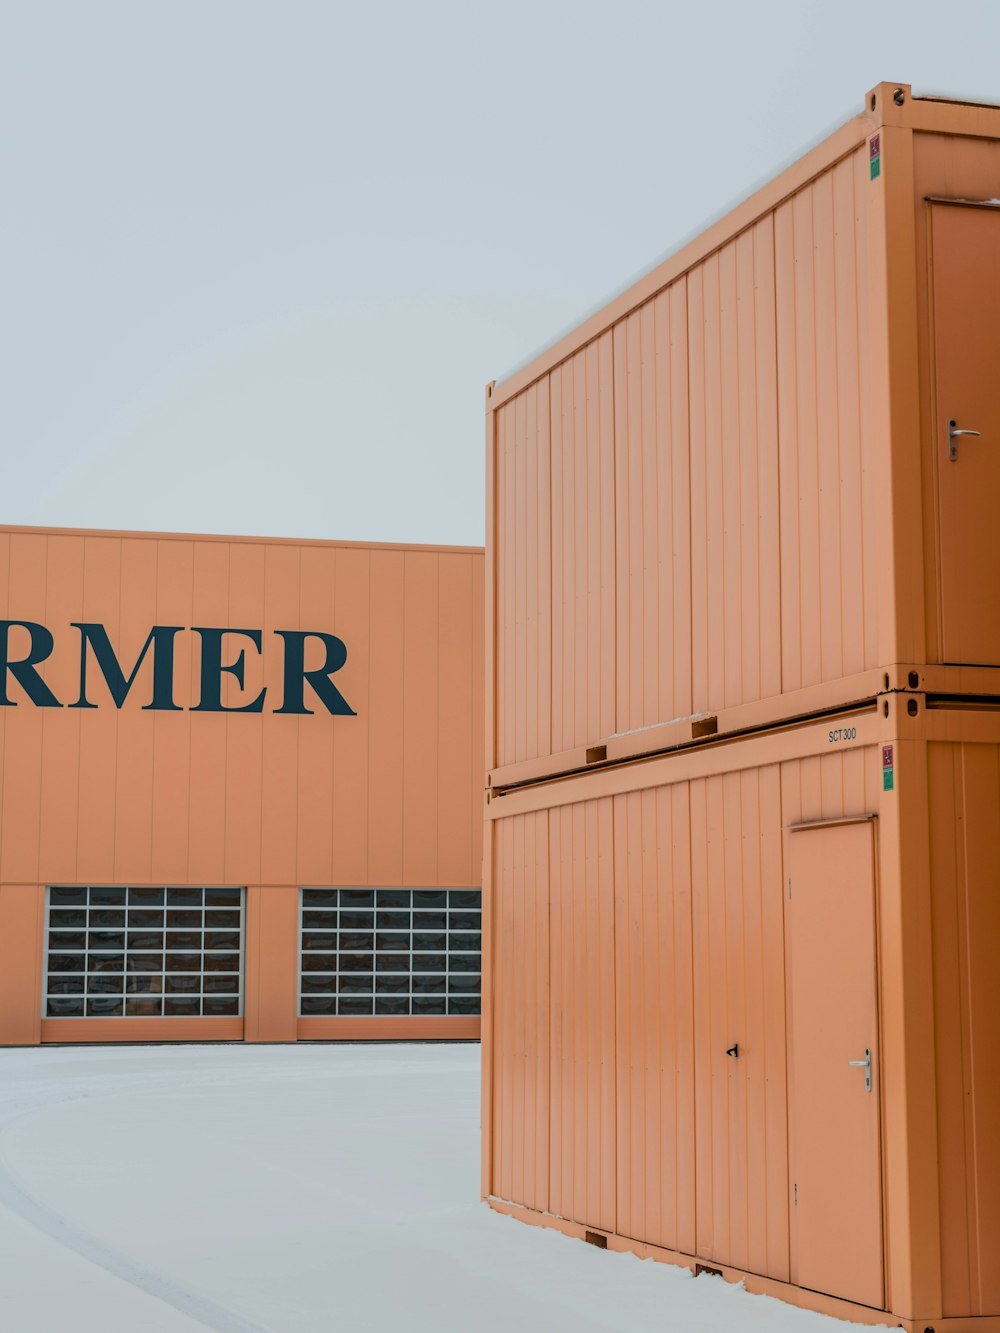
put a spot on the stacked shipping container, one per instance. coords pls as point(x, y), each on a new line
point(743, 740)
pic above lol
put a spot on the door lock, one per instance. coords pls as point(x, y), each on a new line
point(953, 434)
point(866, 1065)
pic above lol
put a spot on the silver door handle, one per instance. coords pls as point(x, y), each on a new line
point(953, 434)
point(866, 1065)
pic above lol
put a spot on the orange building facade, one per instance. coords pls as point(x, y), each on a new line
point(743, 743)
point(240, 793)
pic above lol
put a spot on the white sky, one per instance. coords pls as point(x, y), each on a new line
point(258, 260)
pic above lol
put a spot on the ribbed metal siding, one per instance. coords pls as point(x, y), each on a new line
point(697, 519)
point(391, 796)
point(964, 794)
point(637, 937)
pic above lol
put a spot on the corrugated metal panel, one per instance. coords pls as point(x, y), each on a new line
point(692, 961)
point(582, 953)
point(721, 424)
point(108, 795)
point(739, 990)
point(654, 1018)
point(524, 577)
point(964, 794)
point(521, 1014)
point(583, 547)
point(734, 494)
point(829, 602)
point(652, 512)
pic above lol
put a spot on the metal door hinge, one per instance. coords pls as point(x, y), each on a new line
point(795, 1193)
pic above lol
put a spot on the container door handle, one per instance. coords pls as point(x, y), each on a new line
point(953, 434)
point(866, 1065)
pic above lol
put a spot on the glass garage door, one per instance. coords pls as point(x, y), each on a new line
point(143, 952)
point(391, 952)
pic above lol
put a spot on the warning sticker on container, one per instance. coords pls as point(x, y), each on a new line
point(887, 756)
point(888, 772)
point(875, 155)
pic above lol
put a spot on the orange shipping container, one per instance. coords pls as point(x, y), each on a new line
point(743, 812)
point(734, 482)
point(742, 1009)
point(228, 740)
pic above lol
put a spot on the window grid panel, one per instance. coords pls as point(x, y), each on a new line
point(123, 951)
point(402, 952)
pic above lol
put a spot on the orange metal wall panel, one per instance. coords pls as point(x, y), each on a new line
point(270, 1004)
point(520, 1162)
point(130, 795)
point(582, 998)
point(964, 793)
point(829, 601)
point(652, 512)
point(654, 1020)
point(583, 547)
point(524, 576)
point(21, 913)
point(736, 879)
point(687, 508)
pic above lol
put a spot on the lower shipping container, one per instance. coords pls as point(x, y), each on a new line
point(740, 1010)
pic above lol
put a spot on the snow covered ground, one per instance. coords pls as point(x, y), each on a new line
point(295, 1189)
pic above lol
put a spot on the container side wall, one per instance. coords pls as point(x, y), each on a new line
point(652, 512)
point(964, 796)
point(702, 511)
point(582, 999)
point(654, 1021)
point(523, 568)
point(583, 547)
point(828, 560)
point(739, 1002)
point(734, 479)
point(521, 1013)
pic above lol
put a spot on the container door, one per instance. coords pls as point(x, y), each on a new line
point(834, 1094)
point(966, 261)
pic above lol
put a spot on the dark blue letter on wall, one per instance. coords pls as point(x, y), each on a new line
point(212, 669)
point(23, 670)
point(162, 639)
point(296, 674)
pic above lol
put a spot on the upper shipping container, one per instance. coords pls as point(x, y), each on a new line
point(741, 479)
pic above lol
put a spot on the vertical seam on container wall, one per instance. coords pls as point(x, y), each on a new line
point(614, 1008)
point(780, 782)
point(694, 1000)
point(935, 409)
point(690, 505)
point(873, 850)
point(860, 315)
point(838, 315)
